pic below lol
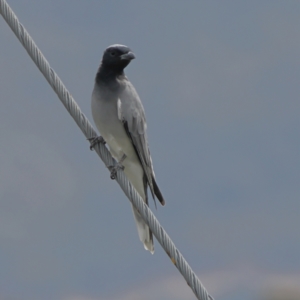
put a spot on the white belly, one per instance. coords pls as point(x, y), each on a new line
point(113, 132)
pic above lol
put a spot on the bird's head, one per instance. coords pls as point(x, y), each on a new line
point(117, 57)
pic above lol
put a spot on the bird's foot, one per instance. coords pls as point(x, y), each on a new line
point(114, 169)
point(95, 140)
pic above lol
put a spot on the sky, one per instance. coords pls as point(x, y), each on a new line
point(219, 81)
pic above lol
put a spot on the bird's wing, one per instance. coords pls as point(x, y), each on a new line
point(132, 115)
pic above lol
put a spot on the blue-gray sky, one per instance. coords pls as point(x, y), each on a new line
point(220, 85)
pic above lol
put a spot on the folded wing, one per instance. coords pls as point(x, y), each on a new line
point(132, 115)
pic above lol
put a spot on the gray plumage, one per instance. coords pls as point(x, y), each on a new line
point(120, 117)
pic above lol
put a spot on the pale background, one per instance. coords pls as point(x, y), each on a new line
point(220, 85)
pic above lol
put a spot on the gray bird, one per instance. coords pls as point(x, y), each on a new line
point(120, 118)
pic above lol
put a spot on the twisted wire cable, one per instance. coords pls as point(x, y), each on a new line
point(87, 129)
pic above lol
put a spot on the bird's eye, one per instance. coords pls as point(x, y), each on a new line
point(113, 53)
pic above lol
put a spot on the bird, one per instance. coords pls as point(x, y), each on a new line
point(120, 118)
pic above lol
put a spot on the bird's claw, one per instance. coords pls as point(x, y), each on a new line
point(95, 140)
point(114, 169)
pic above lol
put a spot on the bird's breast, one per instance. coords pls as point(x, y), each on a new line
point(105, 115)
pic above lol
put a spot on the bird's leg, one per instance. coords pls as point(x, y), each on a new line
point(95, 140)
point(116, 167)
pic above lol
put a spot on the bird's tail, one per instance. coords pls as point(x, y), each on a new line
point(144, 231)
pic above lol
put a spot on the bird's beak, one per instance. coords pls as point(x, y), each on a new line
point(128, 56)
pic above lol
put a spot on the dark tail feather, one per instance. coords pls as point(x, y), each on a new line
point(157, 192)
